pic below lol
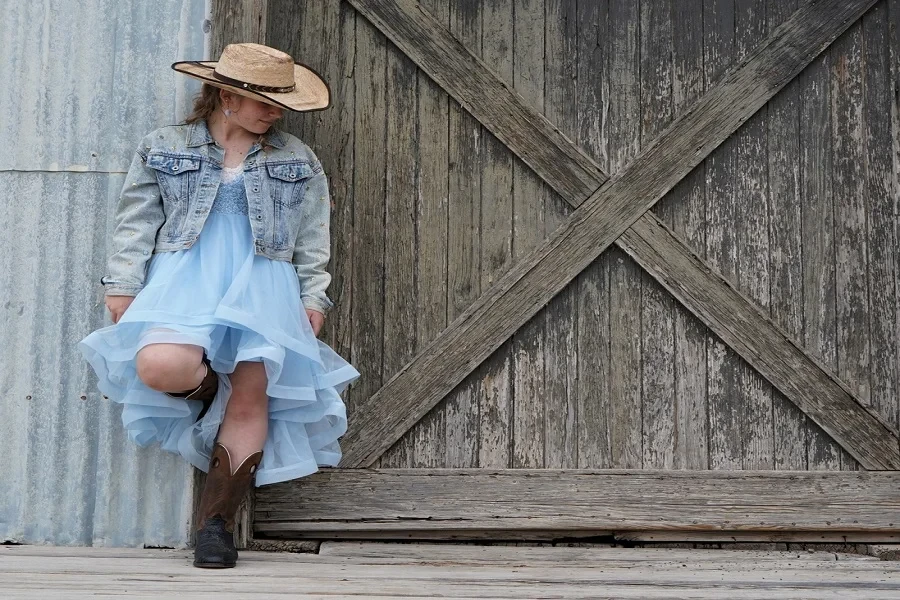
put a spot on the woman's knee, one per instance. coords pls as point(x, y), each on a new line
point(168, 367)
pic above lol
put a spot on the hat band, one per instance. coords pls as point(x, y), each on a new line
point(252, 86)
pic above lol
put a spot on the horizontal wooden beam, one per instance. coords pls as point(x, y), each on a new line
point(457, 502)
point(753, 335)
point(764, 537)
point(467, 78)
point(600, 220)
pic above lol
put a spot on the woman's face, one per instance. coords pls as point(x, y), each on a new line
point(254, 116)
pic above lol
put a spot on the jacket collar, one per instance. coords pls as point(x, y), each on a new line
point(198, 135)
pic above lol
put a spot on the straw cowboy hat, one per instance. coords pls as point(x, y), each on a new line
point(264, 74)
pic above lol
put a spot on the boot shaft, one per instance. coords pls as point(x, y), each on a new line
point(224, 489)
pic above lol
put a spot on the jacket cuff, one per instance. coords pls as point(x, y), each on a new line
point(112, 288)
point(323, 305)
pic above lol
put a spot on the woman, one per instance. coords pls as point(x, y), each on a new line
point(217, 289)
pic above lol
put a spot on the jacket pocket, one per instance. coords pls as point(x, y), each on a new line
point(287, 181)
point(178, 175)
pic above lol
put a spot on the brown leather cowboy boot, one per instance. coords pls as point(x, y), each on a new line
point(206, 391)
point(219, 502)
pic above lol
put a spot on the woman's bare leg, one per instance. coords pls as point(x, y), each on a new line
point(171, 367)
point(246, 422)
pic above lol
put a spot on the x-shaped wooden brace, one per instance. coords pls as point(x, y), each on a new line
point(616, 211)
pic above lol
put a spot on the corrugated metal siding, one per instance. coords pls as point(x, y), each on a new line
point(85, 81)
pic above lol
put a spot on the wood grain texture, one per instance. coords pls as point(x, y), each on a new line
point(429, 435)
point(881, 218)
point(400, 293)
point(352, 570)
point(463, 242)
point(817, 239)
point(723, 368)
point(785, 250)
point(657, 307)
point(894, 45)
point(807, 383)
point(481, 93)
point(624, 138)
point(500, 311)
point(528, 354)
point(236, 22)
point(592, 324)
point(495, 393)
point(688, 209)
point(560, 316)
point(456, 500)
point(751, 202)
point(367, 310)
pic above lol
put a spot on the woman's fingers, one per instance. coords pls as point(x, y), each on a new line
point(316, 319)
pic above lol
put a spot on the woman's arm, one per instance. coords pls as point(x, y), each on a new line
point(312, 249)
point(139, 216)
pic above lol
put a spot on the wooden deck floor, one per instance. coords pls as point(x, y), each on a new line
point(373, 570)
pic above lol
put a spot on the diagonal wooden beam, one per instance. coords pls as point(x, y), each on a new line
point(610, 211)
point(468, 79)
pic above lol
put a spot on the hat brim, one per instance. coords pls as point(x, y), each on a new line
point(310, 93)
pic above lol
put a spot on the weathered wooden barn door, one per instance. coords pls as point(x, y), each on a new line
point(608, 267)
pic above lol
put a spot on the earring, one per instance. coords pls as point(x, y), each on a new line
point(227, 112)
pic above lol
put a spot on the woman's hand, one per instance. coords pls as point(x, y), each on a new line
point(117, 305)
point(316, 320)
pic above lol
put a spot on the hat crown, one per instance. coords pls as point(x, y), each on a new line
point(256, 64)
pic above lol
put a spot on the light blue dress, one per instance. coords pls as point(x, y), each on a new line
point(220, 295)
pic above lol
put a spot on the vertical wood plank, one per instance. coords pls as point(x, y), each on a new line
point(560, 358)
point(338, 129)
point(894, 45)
point(817, 239)
point(688, 208)
point(285, 20)
point(495, 391)
point(850, 208)
point(624, 274)
point(592, 317)
point(464, 238)
point(238, 21)
point(400, 299)
point(528, 232)
point(368, 215)
point(429, 435)
point(752, 226)
point(657, 305)
point(881, 218)
point(783, 131)
point(723, 365)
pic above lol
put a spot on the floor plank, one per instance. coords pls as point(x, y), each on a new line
point(378, 570)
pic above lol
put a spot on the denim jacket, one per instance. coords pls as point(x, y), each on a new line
point(170, 188)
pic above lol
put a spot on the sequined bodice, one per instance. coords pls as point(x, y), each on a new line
point(231, 199)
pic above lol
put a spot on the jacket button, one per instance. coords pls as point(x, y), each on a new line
point(175, 168)
point(259, 217)
point(255, 189)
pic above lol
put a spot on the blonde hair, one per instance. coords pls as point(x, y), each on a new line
point(205, 104)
